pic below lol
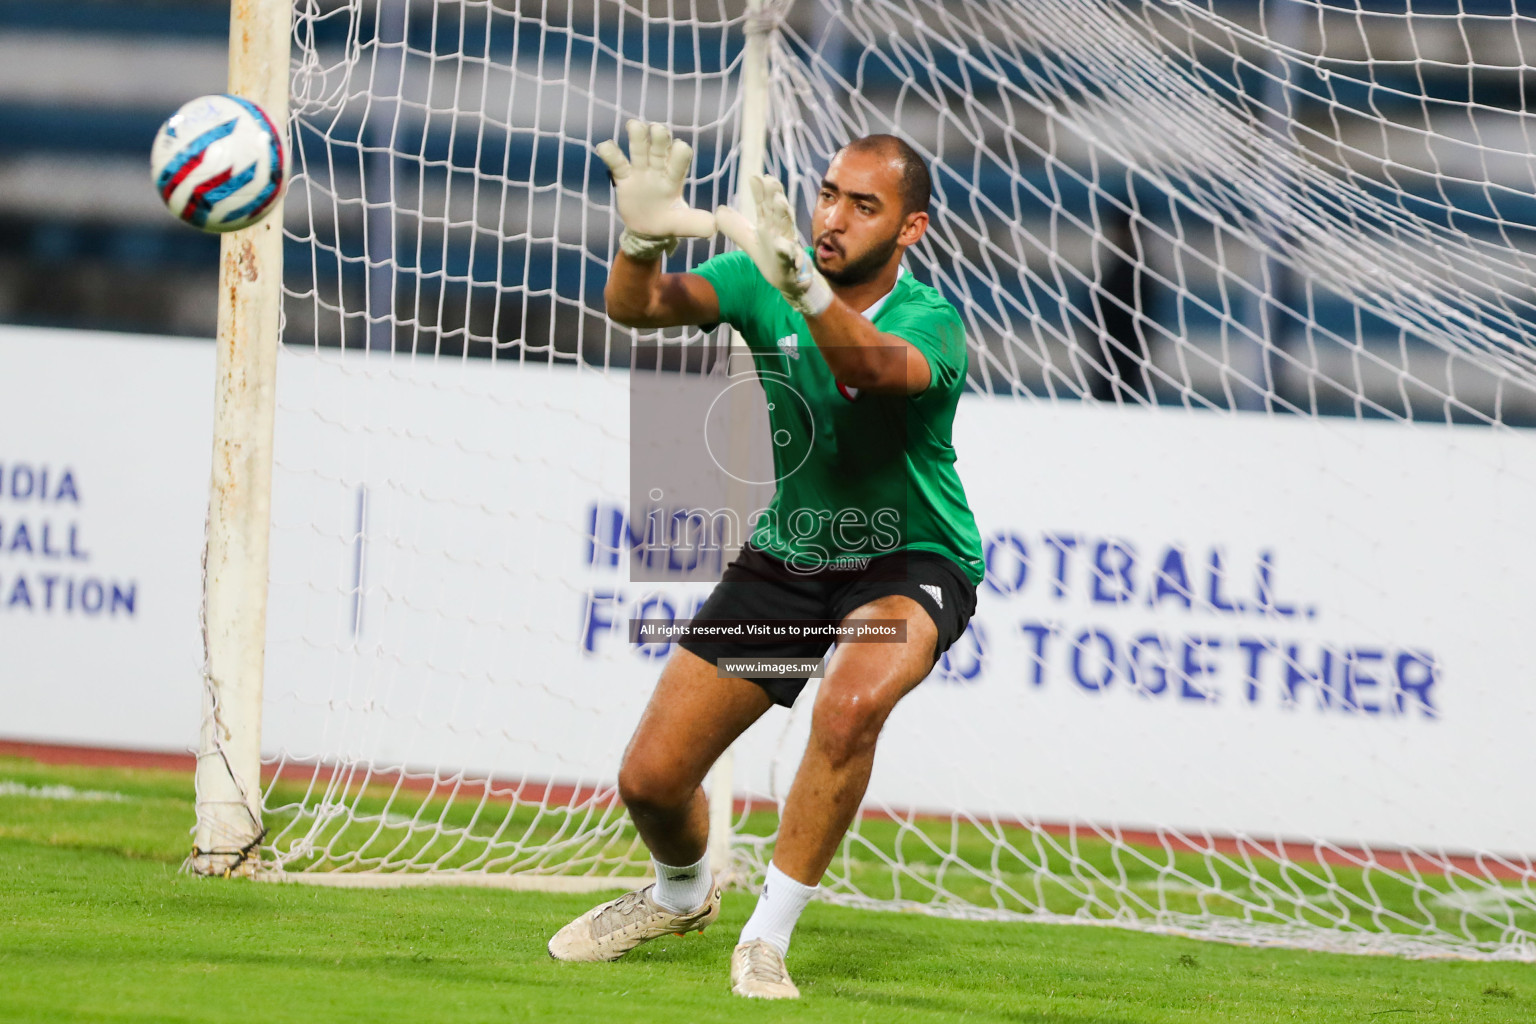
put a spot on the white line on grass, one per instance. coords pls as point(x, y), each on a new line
point(10, 788)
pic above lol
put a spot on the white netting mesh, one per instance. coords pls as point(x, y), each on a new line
point(1314, 211)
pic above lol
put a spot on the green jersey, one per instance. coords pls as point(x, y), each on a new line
point(859, 475)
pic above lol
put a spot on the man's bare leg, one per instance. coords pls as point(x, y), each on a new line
point(863, 684)
point(692, 717)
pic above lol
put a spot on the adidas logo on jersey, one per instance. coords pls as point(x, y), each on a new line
point(934, 592)
point(789, 345)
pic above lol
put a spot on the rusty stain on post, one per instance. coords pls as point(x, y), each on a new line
point(247, 266)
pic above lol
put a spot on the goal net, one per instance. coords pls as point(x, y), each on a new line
point(1248, 291)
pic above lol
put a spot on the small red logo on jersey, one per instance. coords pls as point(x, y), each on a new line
point(846, 391)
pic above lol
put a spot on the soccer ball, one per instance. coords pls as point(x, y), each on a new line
point(219, 163)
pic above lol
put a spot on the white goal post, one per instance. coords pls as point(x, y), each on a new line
point(1250, 295)
point(228, 775)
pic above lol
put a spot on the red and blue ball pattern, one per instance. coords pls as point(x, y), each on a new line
point(219, 163)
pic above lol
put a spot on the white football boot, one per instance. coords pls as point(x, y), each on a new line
point(758, 972)
point(609, 931)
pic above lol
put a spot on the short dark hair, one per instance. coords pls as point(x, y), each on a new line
point(916, 183)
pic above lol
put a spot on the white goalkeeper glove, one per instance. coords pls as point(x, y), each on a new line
point(775, 247)
point(648, 192)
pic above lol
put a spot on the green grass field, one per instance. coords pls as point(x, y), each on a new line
point(96, 924)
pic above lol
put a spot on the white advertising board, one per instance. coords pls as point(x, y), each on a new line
point(105, 442)
point(1275, 626)
point(1236, 623)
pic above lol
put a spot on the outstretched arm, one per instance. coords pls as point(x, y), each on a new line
point(858, 354)
point(861, 356)
point(648, 192)
point(638, 294)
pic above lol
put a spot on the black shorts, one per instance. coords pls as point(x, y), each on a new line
point(760, 588)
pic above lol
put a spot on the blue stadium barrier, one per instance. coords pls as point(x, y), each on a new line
point(156, 20)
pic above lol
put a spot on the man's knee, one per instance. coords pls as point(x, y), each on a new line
point(647, 782)
point(847, 722)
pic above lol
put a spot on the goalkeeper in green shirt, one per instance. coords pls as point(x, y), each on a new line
point(869, 520)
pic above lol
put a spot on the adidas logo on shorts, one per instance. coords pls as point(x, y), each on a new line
point(934, 592)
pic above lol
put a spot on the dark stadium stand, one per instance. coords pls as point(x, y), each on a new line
point(84, 243)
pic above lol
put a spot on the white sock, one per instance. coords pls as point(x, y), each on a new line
point(682, 889)
point(778, 908)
